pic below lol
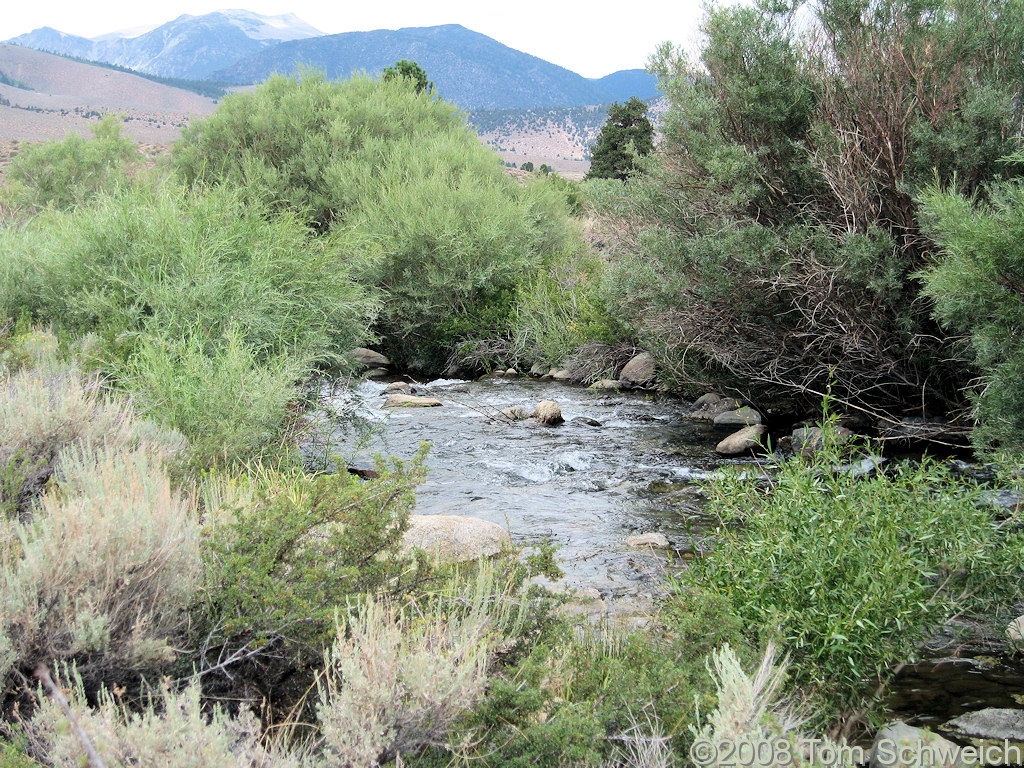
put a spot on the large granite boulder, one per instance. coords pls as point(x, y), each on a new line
point(453, 538)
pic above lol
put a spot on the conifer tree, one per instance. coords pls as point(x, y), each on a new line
point(627, 136)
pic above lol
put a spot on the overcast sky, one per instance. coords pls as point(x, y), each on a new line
point(577, 36)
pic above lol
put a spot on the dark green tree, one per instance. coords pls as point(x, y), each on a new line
point(627, 136)
point(527, 166)
point(410, 70)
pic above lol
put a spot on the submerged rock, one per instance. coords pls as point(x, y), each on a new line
point(411, 401)
point(548, 412)
point(455, 538)
point(515, 413)
point(642, 540)
point(746, 440)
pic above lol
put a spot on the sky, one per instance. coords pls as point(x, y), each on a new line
point(573, 35)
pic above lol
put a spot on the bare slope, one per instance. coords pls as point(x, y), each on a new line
point(67, 96)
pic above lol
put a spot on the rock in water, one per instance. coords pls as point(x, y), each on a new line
point(455, 539)
point(647, 540)
point(410, 401)
point(741, 417)
point(992, 723)
point(640, 370)
point(548, 413)
point(899, 745)
point(367, 358)
point(738, 443)
point(396, 386)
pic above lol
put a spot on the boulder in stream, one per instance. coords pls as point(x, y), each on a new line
point(746, 440)
point(455, 538)
point(612, 384)
point(410, 401)
point(367, 358)
point(898, 745)
point(1015, 634)
point(515, 413)
point(548, 412)
point(397, 386)
point(640, 371)
point(741, 417)
point(998, 723)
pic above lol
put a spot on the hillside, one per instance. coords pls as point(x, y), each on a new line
point(57, 96)
point(471, 69)
point(187, 47)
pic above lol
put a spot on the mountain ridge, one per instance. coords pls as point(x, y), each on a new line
point(471, 69)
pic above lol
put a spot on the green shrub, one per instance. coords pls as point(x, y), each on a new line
point(977, 285)
point(233, 406)
point(849, 574)
point(203, 304)
point(68, 173)
point(770, 245)
point(407, 191)
point(284, 553)
point(165, 262)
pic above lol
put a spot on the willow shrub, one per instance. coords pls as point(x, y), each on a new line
point(849, 574)
point(402, 189)
point(67, 173)
point(204, 303)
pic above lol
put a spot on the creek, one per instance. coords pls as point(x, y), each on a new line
point(586, 488)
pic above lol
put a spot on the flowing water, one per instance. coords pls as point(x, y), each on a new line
point(623, 463)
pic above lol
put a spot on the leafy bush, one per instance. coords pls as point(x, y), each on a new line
point(848, 574)
point(177, 730)
point(203, 304)
point(64, 174)
point(233, 406)
point(977, 285)
point(165, 262)
point(284, 552)
point(103, 572)
point(407, 191)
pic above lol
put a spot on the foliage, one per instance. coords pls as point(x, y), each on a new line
point(65, 174)
point(562, 309)
point(848, 574)
point(769, 247)
point(203, 303)
point(627, 136)
point(48, 409)
point(404, 190)
point(284, 552)
point(411, 71)
point(574, 696)
point(103, 570)
point(977, 285)
point(176, 730)
point(400, 676)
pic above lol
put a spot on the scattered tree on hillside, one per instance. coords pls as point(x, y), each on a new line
point(627, 136)
point(410, 70)
point(527, 166)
